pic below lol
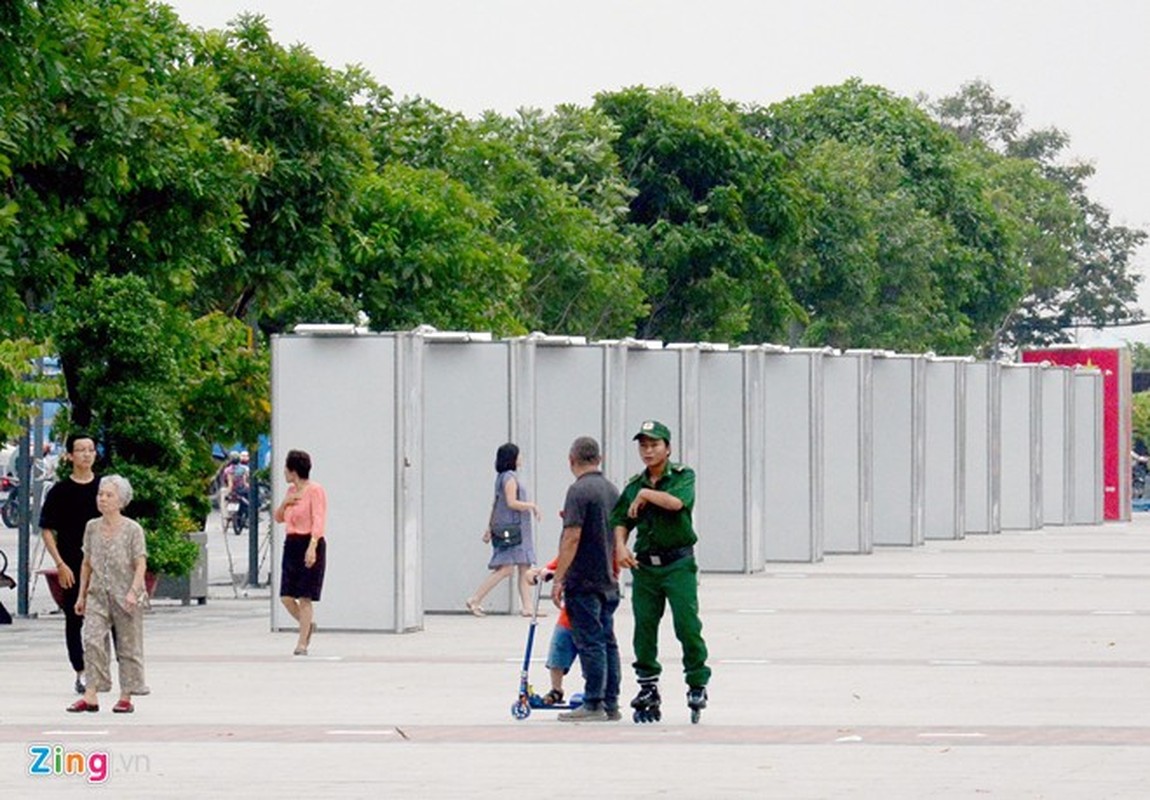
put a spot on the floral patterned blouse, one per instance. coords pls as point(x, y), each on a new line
point(112, 556)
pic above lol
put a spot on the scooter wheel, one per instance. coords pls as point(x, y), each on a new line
point(520, 710)
point(695, 714)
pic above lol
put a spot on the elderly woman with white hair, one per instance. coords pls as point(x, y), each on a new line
point(111, 598)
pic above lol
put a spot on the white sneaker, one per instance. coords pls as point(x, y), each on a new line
point(584, 714)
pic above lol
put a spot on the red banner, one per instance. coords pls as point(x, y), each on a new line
point(1114, 364)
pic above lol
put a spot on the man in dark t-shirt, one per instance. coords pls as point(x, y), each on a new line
point(585, 581)
point(66, 511)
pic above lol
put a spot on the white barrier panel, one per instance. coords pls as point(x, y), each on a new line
point(848, 453)
point(372, 535)
point(793, 397)
point(1057, 444)
point(1125, 436)
point(567, 403)
point(754, 454)
point(651, 388)
point(724, 484)
point(1088, 506)
point(467, 411)
point(983, 478)
point(652, 392)
point(1021, 453)
point(899, 448)
point(404, 427)
point(945, 480)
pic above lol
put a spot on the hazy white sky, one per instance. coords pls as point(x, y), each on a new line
point(1082, 66)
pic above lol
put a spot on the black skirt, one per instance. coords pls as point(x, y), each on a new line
point(297, 580)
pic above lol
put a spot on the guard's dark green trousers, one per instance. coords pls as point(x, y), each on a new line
point(654, 588)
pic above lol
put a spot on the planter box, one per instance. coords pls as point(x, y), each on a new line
point(193, 586)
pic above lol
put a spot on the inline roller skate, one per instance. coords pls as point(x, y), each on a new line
point(646, 703)
point(696, 701)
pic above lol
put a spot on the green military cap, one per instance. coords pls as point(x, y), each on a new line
point(653, 429)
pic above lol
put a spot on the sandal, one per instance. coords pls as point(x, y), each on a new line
point(82, 705)
point(475, 609)
point(553, 697)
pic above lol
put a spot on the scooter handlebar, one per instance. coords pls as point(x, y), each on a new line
point(545, 574)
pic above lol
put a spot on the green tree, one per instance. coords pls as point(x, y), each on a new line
point(115, 165)
point(864, 270)
point(948, 258)
point(712, 209)
point(556, 200)
point(420, 253)
point(1082, 265)
point(1140, 356)
point(223, 396)
point(302, 121)
point(583, 277)
point(124, 342)
point(22, 385)
point(121, 198)
point(1140, 418)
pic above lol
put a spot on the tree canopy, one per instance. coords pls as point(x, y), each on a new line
point(901, 216)
point(712, 208)
point(1080, 263)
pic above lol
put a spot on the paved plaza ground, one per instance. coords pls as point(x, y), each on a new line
point(1007, 666)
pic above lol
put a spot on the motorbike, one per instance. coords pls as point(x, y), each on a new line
point(10, 511)
point(236, 511)
point(236, 507)
point(1138, 479)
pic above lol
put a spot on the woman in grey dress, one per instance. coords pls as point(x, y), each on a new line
point(510, 506)
point(111, 598)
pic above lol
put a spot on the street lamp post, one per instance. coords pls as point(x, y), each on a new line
point(254, 501)
point(24, 527)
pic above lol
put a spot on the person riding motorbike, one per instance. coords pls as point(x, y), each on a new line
point(237, 481)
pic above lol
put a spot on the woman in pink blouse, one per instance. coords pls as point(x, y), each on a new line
point(304, 514)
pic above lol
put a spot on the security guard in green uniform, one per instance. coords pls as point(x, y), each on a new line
point(658, 503)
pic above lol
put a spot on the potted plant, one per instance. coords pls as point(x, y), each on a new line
point(52, 578)
point(175, 545)
point(172, 554)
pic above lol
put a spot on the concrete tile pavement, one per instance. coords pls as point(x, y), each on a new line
point(1010, 666)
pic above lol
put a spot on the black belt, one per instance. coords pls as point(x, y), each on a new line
point(661, 558)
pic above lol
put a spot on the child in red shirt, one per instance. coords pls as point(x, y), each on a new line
point(562, 652)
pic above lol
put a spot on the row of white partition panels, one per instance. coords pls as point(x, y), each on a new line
point(798, 453)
